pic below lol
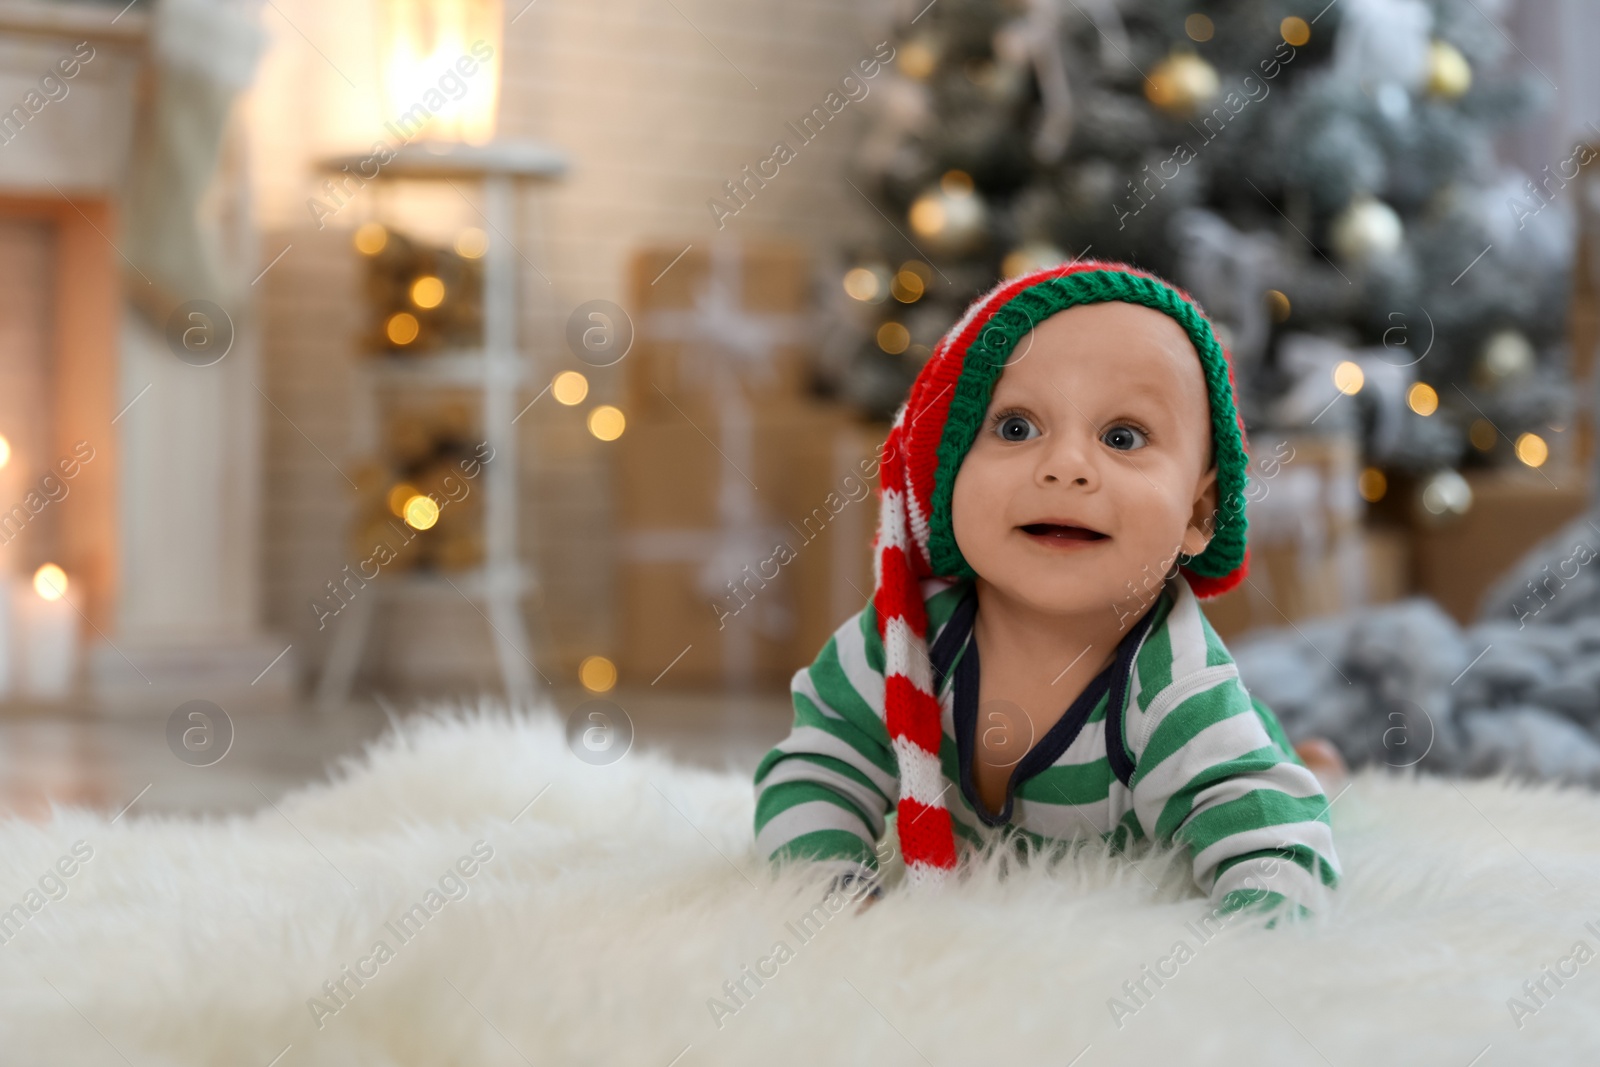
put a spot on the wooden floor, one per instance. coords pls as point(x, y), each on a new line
point(67, 756)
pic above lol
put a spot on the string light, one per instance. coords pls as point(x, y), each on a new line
point(893, 338)
point(1198, 27)
point(421, 512)
point(1422, 399)
point(1295, 30)
point(398, 497)
point(607, 422)
point(598, 674)
point(1532, 450)
point(472, 243)
point(907, 287)
point(569, 388)
point(402, 329)
point(1482, 434)
point(427, 292)
point(371, 239)
point(861, 283)
point(1373, 485)
point(1348, 377)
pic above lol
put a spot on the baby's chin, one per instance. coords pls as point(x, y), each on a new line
point(1067, 595)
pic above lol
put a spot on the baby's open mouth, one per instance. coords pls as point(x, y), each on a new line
point(1061, 532)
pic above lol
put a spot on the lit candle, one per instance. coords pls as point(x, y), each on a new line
point(47, 636)
point(8, 644)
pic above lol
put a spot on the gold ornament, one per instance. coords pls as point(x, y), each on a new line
point(1443, 497)
point(918, 57)
point(1277, 304)
point(1449, 73)
point(1181, 84)
point(1035, 255)
point(1507, 354)
point(952, 217)
point(1366, 231)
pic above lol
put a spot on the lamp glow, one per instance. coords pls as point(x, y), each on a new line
point(442, 57)
point(50, 582)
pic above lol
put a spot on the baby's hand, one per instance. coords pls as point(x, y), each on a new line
point(850, 884)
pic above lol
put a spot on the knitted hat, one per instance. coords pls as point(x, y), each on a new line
point(930, 436)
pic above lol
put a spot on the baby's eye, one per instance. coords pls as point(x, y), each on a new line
point(1016, 428)
point(1124, 438)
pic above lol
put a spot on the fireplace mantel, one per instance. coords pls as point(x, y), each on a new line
point(78, 144)
point(165, 537)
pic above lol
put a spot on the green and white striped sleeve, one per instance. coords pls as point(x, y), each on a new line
point(1213, 770)
point(824, 792)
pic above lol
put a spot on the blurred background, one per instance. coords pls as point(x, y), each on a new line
point(357, 357)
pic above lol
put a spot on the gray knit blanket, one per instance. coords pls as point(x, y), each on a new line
point(1403, 684)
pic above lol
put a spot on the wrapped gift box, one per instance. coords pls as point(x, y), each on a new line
point(1310, 551)
point(1513, 509)
point(728, 315)
point(1287, 586)
point(741, 552)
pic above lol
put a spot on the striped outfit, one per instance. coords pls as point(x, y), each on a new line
point(1200, 761)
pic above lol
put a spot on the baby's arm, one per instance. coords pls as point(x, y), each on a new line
point(1213, 771)
point(824, 792)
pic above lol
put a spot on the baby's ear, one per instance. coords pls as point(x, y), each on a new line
point(1203, 519)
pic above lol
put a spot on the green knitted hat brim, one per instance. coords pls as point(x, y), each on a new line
point(987, 356)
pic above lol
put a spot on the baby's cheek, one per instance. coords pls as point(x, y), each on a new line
point(975, 513)
point(1161, 537)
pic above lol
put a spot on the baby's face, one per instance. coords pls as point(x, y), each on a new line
point(1092, 464)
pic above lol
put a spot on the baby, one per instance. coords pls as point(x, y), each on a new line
point(1063, 485)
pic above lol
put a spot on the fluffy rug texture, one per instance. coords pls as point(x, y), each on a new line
point(607, 921)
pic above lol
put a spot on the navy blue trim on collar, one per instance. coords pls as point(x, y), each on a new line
point(957, 634)
point(952, 637)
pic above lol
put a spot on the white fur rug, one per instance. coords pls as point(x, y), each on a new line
point(613, 910)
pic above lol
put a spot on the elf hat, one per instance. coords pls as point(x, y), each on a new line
point(931, 434)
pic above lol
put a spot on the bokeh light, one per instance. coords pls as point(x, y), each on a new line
point(421, 512)
point(50, 582)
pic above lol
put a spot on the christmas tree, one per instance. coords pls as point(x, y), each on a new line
point(1320, 176)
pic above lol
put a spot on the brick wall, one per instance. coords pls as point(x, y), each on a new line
point(654, 113)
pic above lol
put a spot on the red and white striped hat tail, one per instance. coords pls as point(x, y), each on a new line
point(911, 711)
